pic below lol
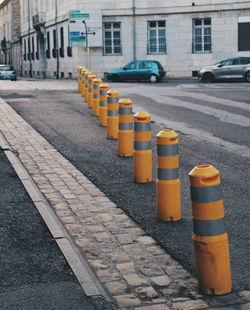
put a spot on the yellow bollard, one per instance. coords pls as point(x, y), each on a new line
point(83, 70)
point(142, 148)
point(103, 118)
point(91, 91)
point(113, 114)
point(84, 82)
point(168, 189)
point(125, 132)
point(96, 101)
point(209, 236)
point(86, 87)
point(78, 77)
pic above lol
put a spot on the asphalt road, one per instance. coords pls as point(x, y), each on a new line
point(216, 133)
point(34, 272)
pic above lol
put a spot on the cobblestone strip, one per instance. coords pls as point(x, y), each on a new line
point(135, 270)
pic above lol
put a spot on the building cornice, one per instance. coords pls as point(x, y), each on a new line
point(177, 10)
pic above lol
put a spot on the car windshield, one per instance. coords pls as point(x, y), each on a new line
point(6, 68)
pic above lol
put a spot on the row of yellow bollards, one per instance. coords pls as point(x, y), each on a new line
point(209, 236)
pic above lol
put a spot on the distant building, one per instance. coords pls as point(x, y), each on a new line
point(181, 34)
point(10, 47)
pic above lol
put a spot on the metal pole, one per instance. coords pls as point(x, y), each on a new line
point(87, 44)
point(134, 30)
point(29, 43)
point(57, 49)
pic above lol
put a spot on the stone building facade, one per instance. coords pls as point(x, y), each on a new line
point(10, 48)
point(181, 34)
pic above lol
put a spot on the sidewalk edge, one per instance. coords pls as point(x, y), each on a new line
point(81, 269)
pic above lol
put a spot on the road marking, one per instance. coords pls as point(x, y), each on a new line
point(198, 134)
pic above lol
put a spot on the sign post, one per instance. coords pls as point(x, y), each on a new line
point(78, 37)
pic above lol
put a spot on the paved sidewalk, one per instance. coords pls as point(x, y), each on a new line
point(135, 271)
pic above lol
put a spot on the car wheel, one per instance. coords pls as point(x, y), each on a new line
point(208, 78)
point(115, 78)
point(247, 76)
point(153, 78)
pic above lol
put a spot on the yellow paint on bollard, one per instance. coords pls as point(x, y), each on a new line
point(103, 118)
point(125, 131)
point(209, 236)
point(168, 190)
point(142, 160)
point(91, 78)
point(96, 101)
point(112, 114)
point(86, 87)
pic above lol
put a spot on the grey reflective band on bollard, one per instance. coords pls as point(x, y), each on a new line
point(96, 96)
point(142, 145)
point(209, 228)
point(206, 194)
point(103, 92)
point(113, 113)
point(167, 150)
point(125, 111)
point(103, 103)
point(113, 99)
point(143, 126)
point(125, 126)
point(168, 174)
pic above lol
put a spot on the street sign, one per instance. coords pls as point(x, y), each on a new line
point(81, 23)
point(78, 15)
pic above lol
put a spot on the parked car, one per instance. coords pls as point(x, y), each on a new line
point(7, 72)
point(231, 68)
point(138, 70)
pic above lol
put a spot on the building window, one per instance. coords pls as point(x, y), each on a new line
point(244, 37)
point(54, 51)
point(29, 50)
point(48, 45)
point(202, 35)
point(112, 38)
point(33, 48)
point(61, 51)
point(37, 46)
point(157, 37)
point(25, 50)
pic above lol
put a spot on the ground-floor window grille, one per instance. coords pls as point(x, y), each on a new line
point(157, 37)
point(202, 42)
point(112, 38)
